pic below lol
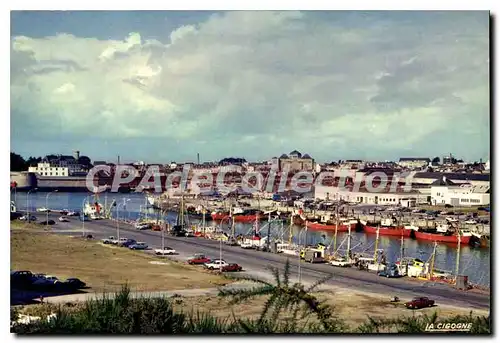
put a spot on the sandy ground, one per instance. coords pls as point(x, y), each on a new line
point(102, 267)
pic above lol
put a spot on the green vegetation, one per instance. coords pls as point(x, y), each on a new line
point(289, 309)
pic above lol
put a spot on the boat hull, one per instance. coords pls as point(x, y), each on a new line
point(436, 237)
point(237, 218)
point(331, 228)
point(388, 231)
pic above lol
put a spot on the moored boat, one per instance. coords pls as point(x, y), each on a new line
point(388, 228)
point(444, 237)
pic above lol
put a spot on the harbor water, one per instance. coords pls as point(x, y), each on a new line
point(474, 262)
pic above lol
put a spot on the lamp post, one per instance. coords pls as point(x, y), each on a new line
point(83, 215)
point(28, 204)
point(47, 206)
point(300, 262)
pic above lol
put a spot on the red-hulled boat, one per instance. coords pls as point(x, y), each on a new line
point(442, 238)
point(388, 230)
point(240, 218)
point(329, 227)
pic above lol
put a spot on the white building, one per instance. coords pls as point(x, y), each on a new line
point(414, 162)
point(45, 169)
point(406, 199)
point(460, 195)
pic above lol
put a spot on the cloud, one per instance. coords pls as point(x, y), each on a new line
point(261, 83)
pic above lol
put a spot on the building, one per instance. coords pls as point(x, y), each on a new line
point(445, 193)
point(414, 162)
point(56, 165)
point(296, 162)
point(46, 169)
point(427, 178)
point(398, 198)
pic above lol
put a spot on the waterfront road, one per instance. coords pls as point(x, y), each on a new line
point(255, 263)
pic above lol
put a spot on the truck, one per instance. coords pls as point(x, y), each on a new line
point(314, 256)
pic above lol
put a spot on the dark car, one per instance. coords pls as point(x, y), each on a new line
point(127, 243)
point(21, 278)
point(448, 206)
point(75, 283)
point(47, 222)
point(419, 302)
point(232, 267)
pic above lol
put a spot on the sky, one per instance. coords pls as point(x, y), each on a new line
point(161, 86)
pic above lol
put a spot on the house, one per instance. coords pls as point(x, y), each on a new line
point(414, 162)
point(427, 178)
point(296, 162)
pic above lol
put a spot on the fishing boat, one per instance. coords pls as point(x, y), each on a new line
point(388, 227)
point(243, 216)
point(456, 236)
point(343, 226)
point(93, 209)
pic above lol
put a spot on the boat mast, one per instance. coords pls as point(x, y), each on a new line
point(401, 253)
point(431, 268)
point(458, 255)
point(349, 243)
point(290, 231)
point(232, 225)
point(182, 208)
point(336, 229)
point(376, 244)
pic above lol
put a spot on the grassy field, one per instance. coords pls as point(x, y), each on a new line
point(103, 268)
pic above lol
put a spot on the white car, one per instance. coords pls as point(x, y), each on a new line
point(63, 219)
point(340, 263)
point(166, 251)
point(108, 240)
point(42, 209)
point(142, 226)
point(25, 218)
point(215, 264)
point(246, 245)
point(72, 214)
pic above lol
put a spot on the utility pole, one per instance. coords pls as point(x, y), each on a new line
point(457, 268)
point(268, 231)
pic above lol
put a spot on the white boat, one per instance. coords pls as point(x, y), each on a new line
point(94, 210)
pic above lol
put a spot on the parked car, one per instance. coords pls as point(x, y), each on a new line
point(246, 245)
point(31, 218)
point(47, 222)
point(216, 264)
point(42, 209)
point(165, 251)
point(448, 206)
point(231, 242)
point(75, 283)
point(389, 273)
point(138, 246)
point(232, 267)
point(127, 243)
point(142, 226)
point(419, 302)
point(108, 240)
point(21, 278)
point(198, 259)
point(72, 214)
point(63, 219)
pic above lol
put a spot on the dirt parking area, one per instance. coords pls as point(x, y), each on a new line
point(102, 267)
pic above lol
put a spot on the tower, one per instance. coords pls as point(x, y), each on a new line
point(76, 154)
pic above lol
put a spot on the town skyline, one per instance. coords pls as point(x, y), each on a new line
point(166, 85)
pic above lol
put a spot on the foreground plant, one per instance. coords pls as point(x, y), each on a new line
point(284, 296)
